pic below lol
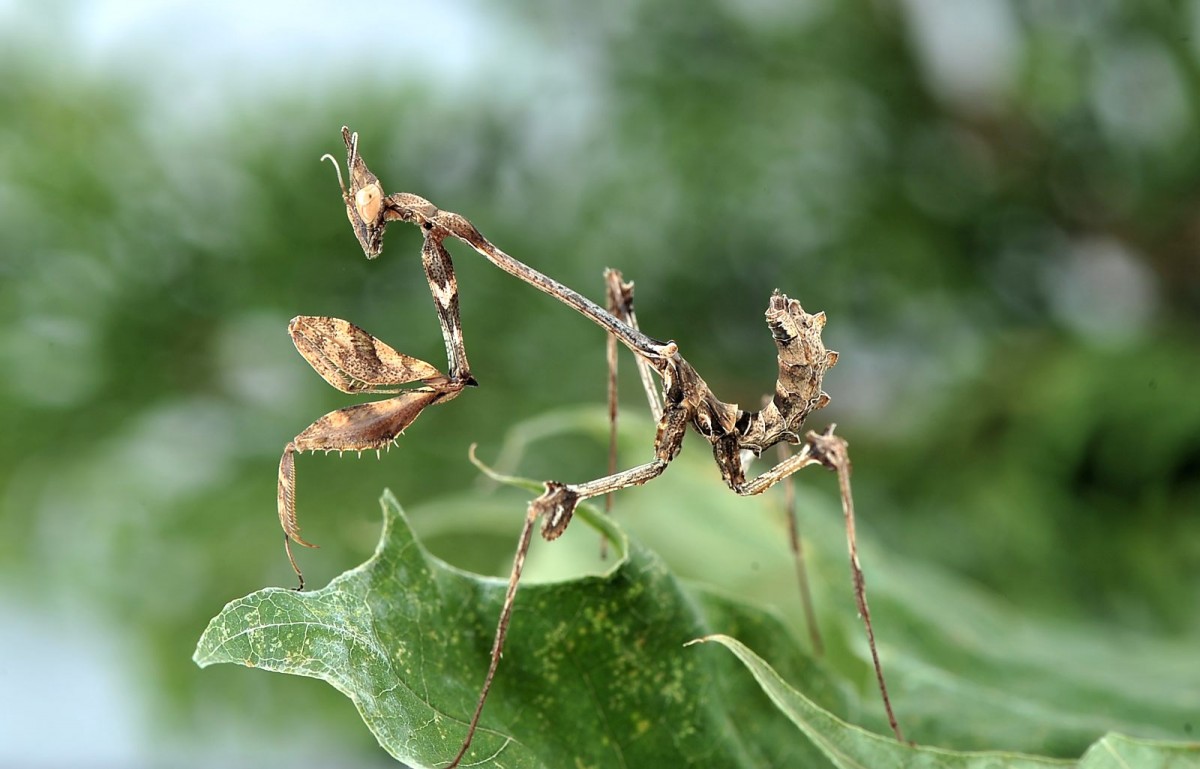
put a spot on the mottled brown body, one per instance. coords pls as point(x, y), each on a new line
point(354, 361)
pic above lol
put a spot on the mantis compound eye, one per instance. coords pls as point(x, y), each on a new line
point(369, 201)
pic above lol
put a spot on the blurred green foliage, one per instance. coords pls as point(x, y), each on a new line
point(997, 209)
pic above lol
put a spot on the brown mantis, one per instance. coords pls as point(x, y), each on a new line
point(353, 361)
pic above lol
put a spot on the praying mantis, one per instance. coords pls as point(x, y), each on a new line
point(354, 361)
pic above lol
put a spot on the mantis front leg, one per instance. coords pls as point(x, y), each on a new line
point(439, 272)
point(354, 361)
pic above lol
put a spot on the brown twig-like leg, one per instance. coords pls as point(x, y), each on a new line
point(558, 502)
point(510, 595)
point(613, 295)
point(402, 206)
point(620, 302)
point(619, 295)
point(555, 507)
point(830, 451)
point(797, 545)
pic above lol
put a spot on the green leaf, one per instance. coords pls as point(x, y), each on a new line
point(967, 668)
point(595, 668)
point(595, 671)
point(1116, 751)
point(850, 747)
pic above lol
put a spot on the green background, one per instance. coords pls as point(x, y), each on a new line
point(996, 204)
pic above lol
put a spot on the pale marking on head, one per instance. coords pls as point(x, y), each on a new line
point(368, 201)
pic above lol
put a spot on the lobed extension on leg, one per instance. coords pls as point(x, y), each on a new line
point(354, 361)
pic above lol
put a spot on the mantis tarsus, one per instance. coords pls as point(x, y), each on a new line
point(354, 361)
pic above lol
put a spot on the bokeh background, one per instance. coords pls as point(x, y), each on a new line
point(997, 203)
